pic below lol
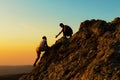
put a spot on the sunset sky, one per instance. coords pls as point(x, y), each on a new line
point(24, 22)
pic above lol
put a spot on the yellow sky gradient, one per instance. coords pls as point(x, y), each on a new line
point(16, 51)
point(19, 41)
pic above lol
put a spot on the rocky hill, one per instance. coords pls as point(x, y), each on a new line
point(92, 53)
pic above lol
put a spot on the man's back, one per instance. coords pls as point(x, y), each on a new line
point(67, 30)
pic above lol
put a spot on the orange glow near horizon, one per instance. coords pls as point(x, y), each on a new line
point(17, 54)
point(18, 51)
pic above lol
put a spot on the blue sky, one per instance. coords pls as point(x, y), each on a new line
point(24, 22)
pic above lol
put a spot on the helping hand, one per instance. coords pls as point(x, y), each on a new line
point(56, 36)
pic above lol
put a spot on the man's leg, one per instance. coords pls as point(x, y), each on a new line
point(38, 56)
point(64, 35)
point(70, 35)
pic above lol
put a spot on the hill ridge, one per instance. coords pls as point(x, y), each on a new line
point(92, 53)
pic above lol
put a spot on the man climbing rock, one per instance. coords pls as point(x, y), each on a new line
point(42, 47)
point(67, 31)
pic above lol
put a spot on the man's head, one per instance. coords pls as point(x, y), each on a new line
point(61, 25)
point(44, 37)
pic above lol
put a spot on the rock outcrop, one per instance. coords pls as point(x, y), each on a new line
point(92, 53)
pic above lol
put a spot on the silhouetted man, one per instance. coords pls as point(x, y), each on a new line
point(67, 31)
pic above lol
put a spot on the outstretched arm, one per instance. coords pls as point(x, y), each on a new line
point(59, 33)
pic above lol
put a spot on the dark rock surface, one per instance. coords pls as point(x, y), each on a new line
point(92, 53)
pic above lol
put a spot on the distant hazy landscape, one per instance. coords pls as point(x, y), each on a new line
point(8, 70)
point(13, 72)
